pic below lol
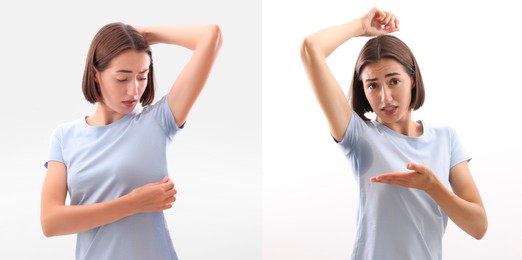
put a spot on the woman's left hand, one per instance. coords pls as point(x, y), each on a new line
point(420, 177)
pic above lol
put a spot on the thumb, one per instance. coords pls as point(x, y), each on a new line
point(412, 166)
point(417, 167)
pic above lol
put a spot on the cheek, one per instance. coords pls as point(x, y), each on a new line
point(407, 96)
point(142, 88)
point(104, 89)
point(372, 98)
point(109, 89)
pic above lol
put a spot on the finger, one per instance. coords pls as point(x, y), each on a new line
point(378, 14)
point(387, 18)
point(384, 177)
point(391, 178)
point(374, 15)
point(171, 192)
point(167, 186)
point(393, 23)
point(167, 206)
point(397, 182)
point(165, 179)
point(375, 179)
point(393, 174)
point(168, 203)
point(170, 199)
point(416, 167)
point(389, 22)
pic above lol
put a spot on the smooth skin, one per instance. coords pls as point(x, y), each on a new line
point(387, 88)
point(122, 85)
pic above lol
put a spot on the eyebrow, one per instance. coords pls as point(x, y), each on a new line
point(386, 76)
point(130, 71)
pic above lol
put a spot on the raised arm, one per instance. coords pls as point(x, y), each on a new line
point(205, 41)
point(60, 219)
point(318, 46)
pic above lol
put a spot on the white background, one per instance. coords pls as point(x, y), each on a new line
point(215, 161)
point(470, 62)
point(469, 56)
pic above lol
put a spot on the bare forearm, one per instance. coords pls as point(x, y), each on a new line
point(188, 36)
point(314, 51)
point(324, 42)
point(64, 220)
point(469, 216)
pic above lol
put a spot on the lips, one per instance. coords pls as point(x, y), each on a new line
point(389, 110)
point(129, 103)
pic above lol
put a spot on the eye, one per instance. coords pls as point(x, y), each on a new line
point(121, 80)
point(372, 86)
point(395, 82)
point(142, 79)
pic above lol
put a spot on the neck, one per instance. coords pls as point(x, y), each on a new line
point(405, 126)
point(103, 116)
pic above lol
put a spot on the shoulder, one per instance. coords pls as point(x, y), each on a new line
point(439, 129)
point(160, 104)
point(441, 134)
point(357, 128)
point(68, 126)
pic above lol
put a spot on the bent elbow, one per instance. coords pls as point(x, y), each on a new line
point(306, 47)
point(482, 232)
point(47, 234)
point(215, 34)
point(48, 229)
point(310, 51)
point(479, 236)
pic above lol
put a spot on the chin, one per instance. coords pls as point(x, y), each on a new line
point(126, 111)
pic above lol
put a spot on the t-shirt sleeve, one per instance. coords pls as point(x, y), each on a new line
point(55, 147)
point(458, 153)
point(355, 128)
point(163, 115)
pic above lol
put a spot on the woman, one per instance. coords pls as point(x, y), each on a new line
point(113, 163)
point(402, 214)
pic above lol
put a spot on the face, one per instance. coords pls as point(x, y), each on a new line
point(124, 81)
point(387, 87)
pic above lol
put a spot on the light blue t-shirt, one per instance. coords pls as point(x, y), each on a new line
point(106, 162)
point(394, 222)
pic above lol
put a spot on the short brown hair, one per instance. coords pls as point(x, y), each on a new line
point(111, 40)
point(377, 48)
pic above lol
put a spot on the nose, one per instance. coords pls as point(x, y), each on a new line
point(386, 96)
point(132, 89)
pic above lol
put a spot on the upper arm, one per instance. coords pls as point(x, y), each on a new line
point(54, 190)
point(327, 90)
point(194, 75)
point(463, 185)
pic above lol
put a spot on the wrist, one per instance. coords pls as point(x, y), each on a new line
point(434, 186)
point(126, 204)
point(356, 28)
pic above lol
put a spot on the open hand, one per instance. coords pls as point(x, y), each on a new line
point(420, 177)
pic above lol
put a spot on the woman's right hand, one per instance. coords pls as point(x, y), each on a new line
point(378, 22)
point(153, 197)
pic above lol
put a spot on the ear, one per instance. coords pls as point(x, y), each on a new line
point(97, 75)
point(413, 85)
